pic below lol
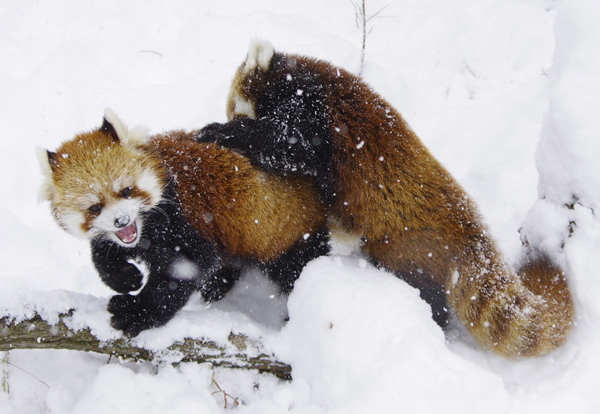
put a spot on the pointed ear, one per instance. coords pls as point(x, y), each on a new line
point(260, 54)
point(46, 160)
point(51, 159)
point(131, 138)
point(109, 129)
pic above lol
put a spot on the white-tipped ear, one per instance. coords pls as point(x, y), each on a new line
point(260, 54)
point(43, 161)
point(46, 189)
point(134, 137)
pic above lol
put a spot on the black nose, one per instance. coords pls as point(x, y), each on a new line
point(122, 221)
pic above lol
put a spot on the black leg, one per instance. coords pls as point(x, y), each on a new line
point(273, 146)
point(439, 307)
point(287, 268)
point(112, 264)
point(214, 288)
point(154, 306)
point(430, 293)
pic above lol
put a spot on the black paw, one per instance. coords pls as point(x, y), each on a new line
point(129, 315)
point(214, 132)
point(126, 278)
point(214, 288)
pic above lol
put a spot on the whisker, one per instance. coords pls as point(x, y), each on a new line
point(167, 200)
point(108, 250)
point(160, 210)
point(169, 182)
point(99, 239)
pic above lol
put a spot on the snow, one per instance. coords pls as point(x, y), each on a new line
point(504, 92)
point(329, 329)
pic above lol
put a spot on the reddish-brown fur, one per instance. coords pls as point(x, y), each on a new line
point(97, 160)
point(197, 215)
point(414, 218)
point(248, 212)
point(245, 211)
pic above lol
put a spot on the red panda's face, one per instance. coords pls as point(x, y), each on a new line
point(99, 187)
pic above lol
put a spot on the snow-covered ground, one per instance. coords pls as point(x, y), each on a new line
point(506, 93)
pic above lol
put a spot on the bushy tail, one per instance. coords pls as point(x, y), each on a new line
point(514, 315)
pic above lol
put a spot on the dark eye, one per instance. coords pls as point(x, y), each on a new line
point(126, 192)
point(95, 208)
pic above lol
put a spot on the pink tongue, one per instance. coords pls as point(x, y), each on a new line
point(129, 234)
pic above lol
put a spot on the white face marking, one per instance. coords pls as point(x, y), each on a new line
point(73, 221)
point(113, 218)
point(117, 214)
point(87, 197)
point(121, 183)
point(243, 107)
point(89, 200)
point(149, 183)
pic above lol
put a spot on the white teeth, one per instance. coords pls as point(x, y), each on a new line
point(128, 234)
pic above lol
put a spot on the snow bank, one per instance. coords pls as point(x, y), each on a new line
point(119, 389)
point(363, 341)
point(568, 153)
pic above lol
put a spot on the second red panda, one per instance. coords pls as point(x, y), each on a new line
point(295, 115)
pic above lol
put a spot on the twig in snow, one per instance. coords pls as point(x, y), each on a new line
point(225, 395)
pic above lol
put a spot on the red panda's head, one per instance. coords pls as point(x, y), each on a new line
point(100, 182)
point(241, 102)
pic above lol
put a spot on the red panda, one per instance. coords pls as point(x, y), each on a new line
point(295, 115)
point(195, 214)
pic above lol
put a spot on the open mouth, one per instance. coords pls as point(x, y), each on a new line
point(128, 234)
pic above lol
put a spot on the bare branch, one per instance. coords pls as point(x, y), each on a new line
point(375, 14)
point(360, 11)
point(240, 352)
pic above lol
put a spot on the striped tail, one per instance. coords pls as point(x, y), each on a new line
point(514, 315)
